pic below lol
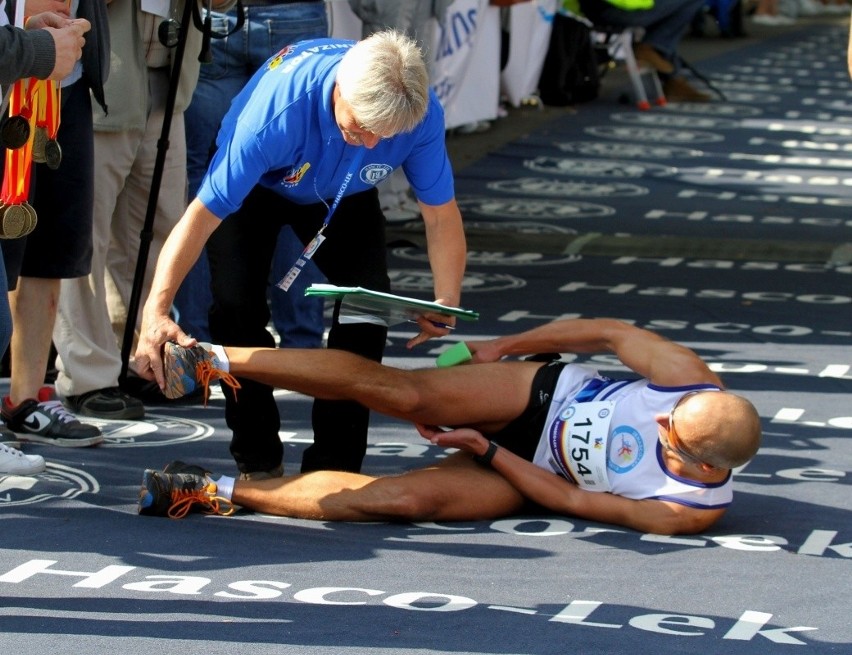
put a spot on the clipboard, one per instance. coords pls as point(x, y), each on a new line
point(360, 305)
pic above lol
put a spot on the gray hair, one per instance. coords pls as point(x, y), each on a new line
point(385, 80)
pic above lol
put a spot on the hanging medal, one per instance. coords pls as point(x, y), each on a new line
point(16, 130)
point(18, 218)
point(52, 103)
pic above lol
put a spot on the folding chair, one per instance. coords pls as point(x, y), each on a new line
point(619, 44)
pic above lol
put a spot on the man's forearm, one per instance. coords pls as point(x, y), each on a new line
point(25, 54)
point(447, 251)
point(179, 253)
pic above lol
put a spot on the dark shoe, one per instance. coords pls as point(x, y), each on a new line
point(187, 369)
point(177, 494)
point(254, 476)
point(677, 89)
point(47, 421)
point(148, 393)
point(646, 54)
point(108, 403)
point(178, 466)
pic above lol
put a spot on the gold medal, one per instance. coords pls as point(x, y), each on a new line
point(39, 141)
point(14, 221)
point(32, 218)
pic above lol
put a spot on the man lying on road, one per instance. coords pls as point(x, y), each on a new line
point(654, 454)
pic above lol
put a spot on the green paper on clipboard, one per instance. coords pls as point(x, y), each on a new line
point(359, 305)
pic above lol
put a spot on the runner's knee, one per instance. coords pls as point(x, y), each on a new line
point(410, 504)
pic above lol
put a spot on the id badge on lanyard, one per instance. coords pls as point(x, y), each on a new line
point(309, 251)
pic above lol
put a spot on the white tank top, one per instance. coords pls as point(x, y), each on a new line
point(634, 464)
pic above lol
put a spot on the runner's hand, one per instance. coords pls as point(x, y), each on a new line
point(484, 351)
point(466, 439)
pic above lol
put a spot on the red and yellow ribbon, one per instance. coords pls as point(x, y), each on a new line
point(16, 175)
point(37, 101)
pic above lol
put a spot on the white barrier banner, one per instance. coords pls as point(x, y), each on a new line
point(530, 24)
point(466, 62)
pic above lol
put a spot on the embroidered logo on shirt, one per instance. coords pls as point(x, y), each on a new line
point(295, 175)
point(275, 62)
point(375, 173)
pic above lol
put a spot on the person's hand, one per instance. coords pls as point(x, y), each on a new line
point(466, 439)
point(34, 7)
point(68, 40)
point(47, 19)
point(431, 325)
point(156, 330)
point(484, 351)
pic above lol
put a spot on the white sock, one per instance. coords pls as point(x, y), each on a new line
point(219, 351)
point(225, 487)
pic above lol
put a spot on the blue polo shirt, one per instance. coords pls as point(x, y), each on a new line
point(280, 133)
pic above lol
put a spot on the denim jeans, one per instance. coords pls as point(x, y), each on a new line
point(267, 29)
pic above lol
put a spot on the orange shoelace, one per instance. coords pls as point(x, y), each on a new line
point(206, 373)
point(183, 502)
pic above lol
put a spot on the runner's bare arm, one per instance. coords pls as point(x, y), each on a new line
point(559, 495)
point(653, 357)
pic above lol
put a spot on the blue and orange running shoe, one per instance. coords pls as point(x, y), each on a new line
point(177, 494)
point(187, 369)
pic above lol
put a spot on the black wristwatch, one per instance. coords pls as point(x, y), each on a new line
point(487, 456)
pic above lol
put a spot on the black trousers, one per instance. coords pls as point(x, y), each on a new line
point(240, 252)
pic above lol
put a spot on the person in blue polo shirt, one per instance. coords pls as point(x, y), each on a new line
point(305, 143)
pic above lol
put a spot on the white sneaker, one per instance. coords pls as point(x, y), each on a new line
point(810, 8)
point(14, 462)
point(400, 215)
point(473, 128)
point(769, 20)
point(406, 209)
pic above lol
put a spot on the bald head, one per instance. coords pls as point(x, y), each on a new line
point(720, 428)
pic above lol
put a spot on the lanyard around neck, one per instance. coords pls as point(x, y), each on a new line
point(316, 242)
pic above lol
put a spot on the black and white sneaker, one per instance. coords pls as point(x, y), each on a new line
point(46, 420)
point(108, 403)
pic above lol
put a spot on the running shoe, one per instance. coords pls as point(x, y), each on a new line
point(108, 403)
point(177, 494)
point(187, 369)
point(47, 421)
point(14, 462)
point(254, 476)
point(178, 466)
